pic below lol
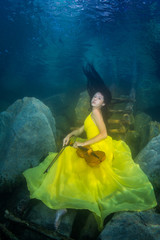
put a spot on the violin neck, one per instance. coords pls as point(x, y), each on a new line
point(83, 148)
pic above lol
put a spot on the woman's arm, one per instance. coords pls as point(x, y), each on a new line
point(76, 132)
point(98, 119)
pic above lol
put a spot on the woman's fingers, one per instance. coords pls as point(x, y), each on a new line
point(65, 141)
point(77, 144)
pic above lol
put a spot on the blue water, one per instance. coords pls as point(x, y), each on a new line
point(44, 44)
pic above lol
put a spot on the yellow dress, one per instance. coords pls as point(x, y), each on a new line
point(118, 184)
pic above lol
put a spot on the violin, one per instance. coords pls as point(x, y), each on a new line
point(93, 158)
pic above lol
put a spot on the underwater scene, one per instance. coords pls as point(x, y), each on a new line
point(80, 119)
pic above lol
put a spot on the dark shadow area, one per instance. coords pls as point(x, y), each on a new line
point(154, 113)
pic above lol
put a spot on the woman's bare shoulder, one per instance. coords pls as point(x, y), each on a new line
point(96, 113)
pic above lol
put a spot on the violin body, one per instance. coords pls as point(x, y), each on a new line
point(93, 158)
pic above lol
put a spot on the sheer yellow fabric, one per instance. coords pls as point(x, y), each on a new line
point(118, 184)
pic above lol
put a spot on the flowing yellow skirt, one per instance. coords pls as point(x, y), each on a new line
point(118, 184)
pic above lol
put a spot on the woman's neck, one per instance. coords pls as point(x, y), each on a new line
point(99, 109)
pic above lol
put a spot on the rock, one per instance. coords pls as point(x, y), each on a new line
point(154, 129)
point(43, 216)
point(149, 161)
point(37, 213)
point(27, 135)
point(90, 229)
point(82, 107)
point(132, 225)
point(66, 224)
point(5, 122)
point(132, 138)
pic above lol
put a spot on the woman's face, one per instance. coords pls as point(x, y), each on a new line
point(97, 100)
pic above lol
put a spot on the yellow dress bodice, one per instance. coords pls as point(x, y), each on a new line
point(90, 127)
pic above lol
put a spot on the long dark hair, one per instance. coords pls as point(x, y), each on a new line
point(96, 84)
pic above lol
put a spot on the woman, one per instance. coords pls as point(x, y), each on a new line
point(97, 102)
point(116, 184)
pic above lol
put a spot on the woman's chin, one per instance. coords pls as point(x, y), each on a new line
point(93, 105)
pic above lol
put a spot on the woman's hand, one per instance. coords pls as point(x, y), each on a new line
point(77, 144)
point(66, 140)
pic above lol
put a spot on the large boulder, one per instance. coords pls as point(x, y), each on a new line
point(149, 161)
point(132, 225)
point(45, 217)
point(82, 108)
point(27, 135)
point(154, 129)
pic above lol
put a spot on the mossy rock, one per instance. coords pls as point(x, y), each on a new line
point(82, 108)
point(154, 129)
